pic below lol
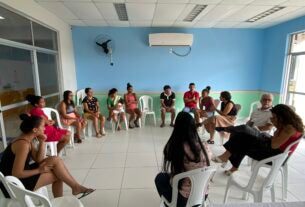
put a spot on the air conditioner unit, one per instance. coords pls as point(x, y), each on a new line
point(170, 39)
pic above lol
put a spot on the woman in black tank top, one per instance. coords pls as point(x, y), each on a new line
point(18, 155)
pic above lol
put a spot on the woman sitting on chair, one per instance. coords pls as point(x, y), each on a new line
point(206, 103)
point(92, 112)
point(115, 107)
point(226, 117)
point(53, 133)
point(183, 152)
point(69, 116)
point(245, 140)
point(19, 154)
point(131, 102)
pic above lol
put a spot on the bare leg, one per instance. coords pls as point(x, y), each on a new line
point(63, 142)
point(58, 175)
point(139, 114)
point(197, 116)
point(163, 111)
point(95, 122)
point(225, 156)
point(173, 115)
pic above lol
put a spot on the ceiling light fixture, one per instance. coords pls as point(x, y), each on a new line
point(1, 17)
point(265, 13)
point(121, 11)
point(194, 13)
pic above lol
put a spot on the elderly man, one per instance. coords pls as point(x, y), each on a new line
point(260, 118)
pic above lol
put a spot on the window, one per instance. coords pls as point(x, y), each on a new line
point(295, 73)
point(44, 37)
point(47, 70)
point(16, 80)
point(28, 65)
point(15, 27)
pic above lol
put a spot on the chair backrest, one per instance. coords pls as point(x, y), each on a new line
point(5, 187)
point(80, 95)
point(146, 103)
point(216, 103)
point(23, 196)
point(238, 108)
point(255, 105)
point(200, 179)
point(48, 111)
point(276, 163)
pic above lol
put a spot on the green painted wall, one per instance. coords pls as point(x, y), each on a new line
point(244, 98)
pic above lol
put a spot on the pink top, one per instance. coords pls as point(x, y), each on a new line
point(185, 189)
point(207, 102)
point(53, 133)
point(292, 139)
point(131, 101)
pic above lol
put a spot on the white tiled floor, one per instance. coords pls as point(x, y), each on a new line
point(122, 167)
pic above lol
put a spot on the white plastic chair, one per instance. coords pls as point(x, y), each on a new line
point(48, 112)
point(114, 126)
point(200, 179)
point(146, 107)
point(255, 184)
point(80, 95)
point(283, 169)
point(24, 197)
point(3, 200)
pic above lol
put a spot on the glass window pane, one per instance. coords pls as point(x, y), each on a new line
point(15, 27)
point(298, 42)
point(47, 69)
point(16, 79)
point(44, 37)
point(52, 101)
point(297, 101)
point(297, 74)
point(12, 120)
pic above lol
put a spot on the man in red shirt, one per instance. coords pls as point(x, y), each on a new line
point(191, 99)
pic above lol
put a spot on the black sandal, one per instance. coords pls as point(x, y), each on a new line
point(210, 141)
point(87, 192)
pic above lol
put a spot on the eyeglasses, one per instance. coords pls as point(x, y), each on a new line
point(267, 99)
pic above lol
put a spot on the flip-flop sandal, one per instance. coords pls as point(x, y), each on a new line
point(88, 192)
point(210, 142)
point(228, 172)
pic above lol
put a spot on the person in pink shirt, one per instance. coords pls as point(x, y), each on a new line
point(191, 100)
point(131, 103)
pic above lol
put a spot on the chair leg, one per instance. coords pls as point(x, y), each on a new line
point(284, 172)
point(245, 195)
point(272, 193)
point(225, 199)
point(126, 123)
point(155, 119)
point(144, 119)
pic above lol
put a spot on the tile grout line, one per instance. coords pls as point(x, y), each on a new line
point(119, 198)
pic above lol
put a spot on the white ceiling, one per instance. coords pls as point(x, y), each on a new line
point(170, 13)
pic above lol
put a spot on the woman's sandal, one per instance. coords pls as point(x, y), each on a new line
point(210, 141)
point(98, 135)
point(87, 192)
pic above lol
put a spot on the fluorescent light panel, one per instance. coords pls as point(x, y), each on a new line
point(194, 13)
point(265, 13)
point(121, 11)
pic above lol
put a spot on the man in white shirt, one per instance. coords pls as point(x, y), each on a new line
point(260, 118)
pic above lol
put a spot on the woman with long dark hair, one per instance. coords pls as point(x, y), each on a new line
point(245, 140)
point(18, 157)
point(69, 115)
point(53, 133)
point(183, 152)
point(226, 115)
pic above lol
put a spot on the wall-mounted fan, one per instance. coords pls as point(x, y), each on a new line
point(106, 44)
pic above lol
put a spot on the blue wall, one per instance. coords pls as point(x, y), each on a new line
point(275, 47)
point(226, 59)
